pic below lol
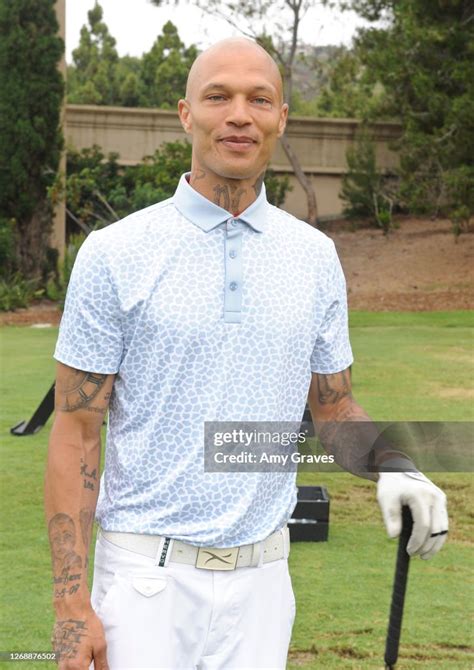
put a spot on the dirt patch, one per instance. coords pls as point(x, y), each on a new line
point(43, 312)
point(418, 267)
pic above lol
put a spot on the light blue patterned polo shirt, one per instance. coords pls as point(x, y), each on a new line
point(203, 317)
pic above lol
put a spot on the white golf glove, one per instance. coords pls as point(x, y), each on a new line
point(427, 505)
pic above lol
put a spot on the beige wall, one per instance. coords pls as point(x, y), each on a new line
point(320, 144)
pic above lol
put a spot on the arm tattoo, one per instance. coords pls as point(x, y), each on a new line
point(67, 636)
point(67, 564)
point(332, 388)
point(79, 389)
point(67, 590)
point(90, 476)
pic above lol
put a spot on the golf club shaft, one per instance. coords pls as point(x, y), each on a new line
point(399, 589)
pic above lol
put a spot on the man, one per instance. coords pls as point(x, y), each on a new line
point(210, 306)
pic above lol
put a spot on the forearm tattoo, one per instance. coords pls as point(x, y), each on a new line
point(67, 563)
point(78, 389)
point(90, 476)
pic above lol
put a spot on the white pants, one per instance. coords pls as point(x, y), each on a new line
point(184, 618)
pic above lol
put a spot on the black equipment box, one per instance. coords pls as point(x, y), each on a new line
point(310, 520)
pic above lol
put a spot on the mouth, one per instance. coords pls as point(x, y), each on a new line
point(239, 143)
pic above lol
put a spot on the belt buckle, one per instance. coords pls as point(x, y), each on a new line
point(210, 558)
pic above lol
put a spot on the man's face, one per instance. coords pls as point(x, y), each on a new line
point(234, 113)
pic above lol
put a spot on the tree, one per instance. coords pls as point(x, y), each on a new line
point(31, 90)
point(129, 83)
point(251, 17)
point(99, 76)
point(422, 57)
point(348, 90)
point(165, 69)
point(93, 79)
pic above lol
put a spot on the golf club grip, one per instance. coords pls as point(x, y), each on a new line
point(399, 588)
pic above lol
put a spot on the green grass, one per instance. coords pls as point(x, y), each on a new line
point(408, 367)
point(414, 367)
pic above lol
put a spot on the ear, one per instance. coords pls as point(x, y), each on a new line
point(184, 112)
point(283, 119)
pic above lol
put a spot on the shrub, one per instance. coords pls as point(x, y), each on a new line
point(365, 189)
point(15, 291)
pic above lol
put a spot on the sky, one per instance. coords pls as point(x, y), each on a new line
point(135, 25)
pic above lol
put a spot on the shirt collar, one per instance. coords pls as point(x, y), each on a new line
point(207, 215)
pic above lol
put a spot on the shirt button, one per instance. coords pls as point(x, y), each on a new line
point(232, 222)
point(232, 253)
point(233, 285)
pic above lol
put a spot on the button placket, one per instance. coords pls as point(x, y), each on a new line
point(233, 272)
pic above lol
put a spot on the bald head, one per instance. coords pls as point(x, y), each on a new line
point(230, 48)
point(234, 112)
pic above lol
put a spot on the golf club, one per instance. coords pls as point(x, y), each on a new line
point(398, 593)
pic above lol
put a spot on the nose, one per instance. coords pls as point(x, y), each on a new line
point(239, 112)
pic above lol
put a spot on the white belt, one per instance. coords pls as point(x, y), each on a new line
point(164, 549)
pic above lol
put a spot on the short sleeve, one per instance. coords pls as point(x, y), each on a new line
point(332, 351)
point(90, 335)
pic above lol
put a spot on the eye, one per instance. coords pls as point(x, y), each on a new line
point(215, 97)
point(262, 101)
